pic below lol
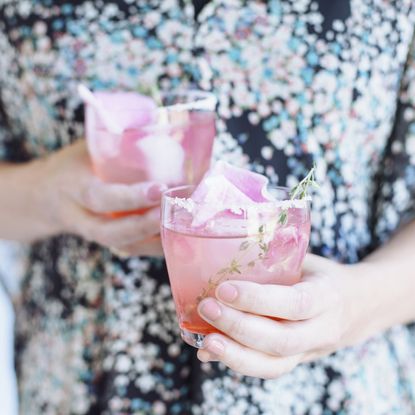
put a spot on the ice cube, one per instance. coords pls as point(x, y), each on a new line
point(252, 186)
point(163, 158)
point(226, 189)
point(128, 109)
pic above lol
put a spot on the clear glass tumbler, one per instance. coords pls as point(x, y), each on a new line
point(265, 243)
point(171, 144)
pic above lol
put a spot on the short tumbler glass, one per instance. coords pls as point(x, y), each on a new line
point(265, 243)
point(171, 144)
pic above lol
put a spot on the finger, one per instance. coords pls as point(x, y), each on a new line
point(277, 338)
point(149, 247)
point(100, 197)
point(298, 302)
point(244, 360)
point(117, 232)
point(128, 230)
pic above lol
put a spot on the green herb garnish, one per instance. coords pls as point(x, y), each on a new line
point(299, 192)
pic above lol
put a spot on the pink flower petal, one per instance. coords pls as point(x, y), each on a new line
point(234, 185)
point(224, 188)
point(287, 249)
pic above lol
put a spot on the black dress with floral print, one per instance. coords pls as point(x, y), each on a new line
point(298, 81)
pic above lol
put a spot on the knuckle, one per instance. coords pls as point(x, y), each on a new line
point(300, 304)
point(236, 363)
point(126, 197)
point(251, 300)
point(237, 328)
point(286, 345)
point(138, 193)
point(283, 346)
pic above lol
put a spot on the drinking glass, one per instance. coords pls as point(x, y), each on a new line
point(265, 243)
point(171, 144)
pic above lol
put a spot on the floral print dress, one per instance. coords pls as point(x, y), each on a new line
point(330, 81)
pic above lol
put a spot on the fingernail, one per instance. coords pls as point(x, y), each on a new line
point(210, 309)
point(215, 348)
point(227, 292)
point(155, 191)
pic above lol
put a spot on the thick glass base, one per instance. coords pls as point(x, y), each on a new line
point(194, 339)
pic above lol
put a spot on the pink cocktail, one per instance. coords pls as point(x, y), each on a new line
point(171, 144)
point(265, 243)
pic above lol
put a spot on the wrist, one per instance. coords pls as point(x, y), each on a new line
point(364, 302)
point(29, 201)
point(379, 300)
point(44, 193)
point(368, 301)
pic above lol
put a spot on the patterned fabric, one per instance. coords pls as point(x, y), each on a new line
point(297, 81)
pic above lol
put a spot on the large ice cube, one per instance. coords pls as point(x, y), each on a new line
point(226, 189)
point(129, 110)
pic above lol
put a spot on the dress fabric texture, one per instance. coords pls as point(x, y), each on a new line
point(330, 81)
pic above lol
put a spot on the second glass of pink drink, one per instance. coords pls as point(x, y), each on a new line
point(170, 144)
point(265, 243)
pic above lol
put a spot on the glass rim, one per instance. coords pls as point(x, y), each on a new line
point(207, 101)
point(285, 203)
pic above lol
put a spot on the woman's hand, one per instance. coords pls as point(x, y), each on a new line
point(329, 309)
point(69, 198)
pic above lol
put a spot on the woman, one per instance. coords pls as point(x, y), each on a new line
point(329, 81)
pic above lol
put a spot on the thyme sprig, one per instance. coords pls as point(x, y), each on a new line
point(300, 192)
point(236, 264)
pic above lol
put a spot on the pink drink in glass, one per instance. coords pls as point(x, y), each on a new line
point(255, 246)
point(171, 144)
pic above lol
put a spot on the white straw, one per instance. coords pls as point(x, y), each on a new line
point(89, 98)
